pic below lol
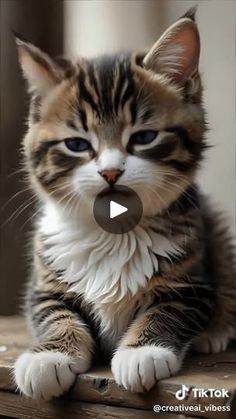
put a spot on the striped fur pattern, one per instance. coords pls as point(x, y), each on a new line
point(142, 298)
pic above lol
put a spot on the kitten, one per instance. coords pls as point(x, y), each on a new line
point(139, 299)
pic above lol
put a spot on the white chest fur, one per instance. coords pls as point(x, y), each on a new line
point(104, 268)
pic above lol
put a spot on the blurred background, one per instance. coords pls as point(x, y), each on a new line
point(92, 27)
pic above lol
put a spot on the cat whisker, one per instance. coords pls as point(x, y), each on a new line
point(21, 170)
point(15, 196)
point(38, 211)
point(31, 218)
point(20, 210)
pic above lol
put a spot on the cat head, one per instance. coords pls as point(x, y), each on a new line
point(131, 119)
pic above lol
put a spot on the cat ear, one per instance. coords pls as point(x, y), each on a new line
point(177, 52)
point(40, 71)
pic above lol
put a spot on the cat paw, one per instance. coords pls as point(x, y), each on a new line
point(211, 344)
point(43, 375)
point(138, 369)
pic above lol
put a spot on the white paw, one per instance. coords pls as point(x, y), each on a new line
point(211, 344)
point(138, 369)
point(43, 375)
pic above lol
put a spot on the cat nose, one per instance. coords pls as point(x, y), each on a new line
point(111, 175)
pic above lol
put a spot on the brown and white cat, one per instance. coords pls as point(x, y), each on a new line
point(141, 298)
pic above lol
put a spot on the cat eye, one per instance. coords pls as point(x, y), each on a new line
point(77, 144)
point(143, 137)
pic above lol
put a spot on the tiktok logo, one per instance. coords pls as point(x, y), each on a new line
point(182, 393)
point(201, 392)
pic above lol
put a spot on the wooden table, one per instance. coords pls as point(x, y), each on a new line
point(96, 395)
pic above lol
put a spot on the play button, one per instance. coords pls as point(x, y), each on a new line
point(117, 210)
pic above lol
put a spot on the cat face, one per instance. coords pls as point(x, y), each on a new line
point(132, 120)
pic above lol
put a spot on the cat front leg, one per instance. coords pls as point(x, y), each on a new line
point(64, 349)
point(154, 346)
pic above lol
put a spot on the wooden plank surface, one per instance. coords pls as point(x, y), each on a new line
point(98, 386)
point(59, 410)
